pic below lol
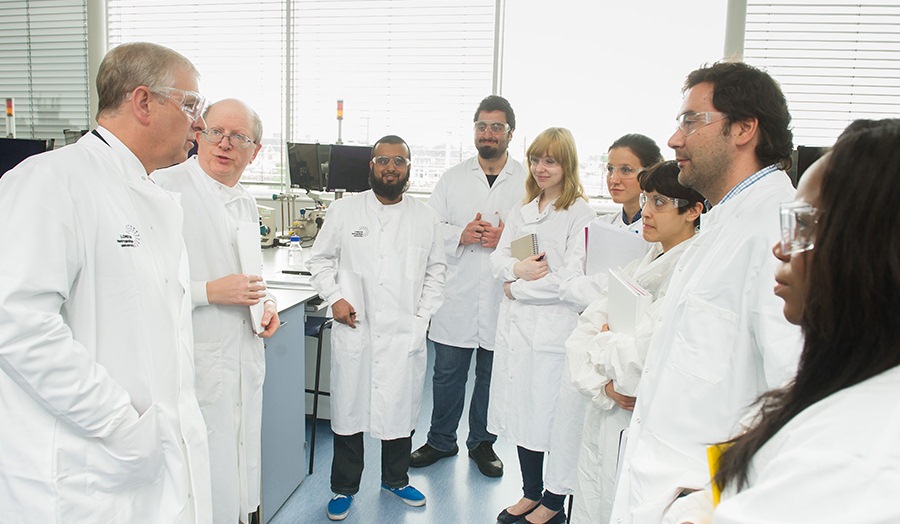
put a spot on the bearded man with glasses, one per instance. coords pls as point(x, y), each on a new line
point(99, 420)
point(379, 263)
point(472, 200)
point(720, 339)
point(228, 346)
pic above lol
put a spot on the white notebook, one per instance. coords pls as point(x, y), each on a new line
point(609, 246)
point(628, 302)
point(251, 264)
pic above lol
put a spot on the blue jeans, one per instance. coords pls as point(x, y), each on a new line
point(451, 370)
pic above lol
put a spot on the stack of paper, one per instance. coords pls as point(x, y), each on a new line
point(608, 246)
point(628, 302)
point(251, 264)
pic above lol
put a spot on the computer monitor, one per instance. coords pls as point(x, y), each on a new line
point(305, 164)
point(15, 150)
point(806, 156)
point(348, 168)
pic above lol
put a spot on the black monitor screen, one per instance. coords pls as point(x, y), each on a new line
point(348, 168)
point(15, 150)
point(305, 162)
point(806, 156)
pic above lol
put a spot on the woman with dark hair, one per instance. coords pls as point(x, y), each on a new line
point(605, 366)
point(533, 323)
point(825, 447)
point(628, 155)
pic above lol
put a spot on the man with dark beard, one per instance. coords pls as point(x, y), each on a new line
point(379, 263)
point(472, 200)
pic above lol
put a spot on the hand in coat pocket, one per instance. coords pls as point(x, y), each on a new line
point(128, 458)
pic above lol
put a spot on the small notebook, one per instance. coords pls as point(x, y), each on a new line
point(524, 247)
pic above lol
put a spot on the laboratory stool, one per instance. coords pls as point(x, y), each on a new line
point(315, 327)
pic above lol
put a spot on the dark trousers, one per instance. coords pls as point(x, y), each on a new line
point(532, 466)
point(347, 466)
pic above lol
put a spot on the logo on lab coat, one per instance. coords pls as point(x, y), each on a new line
point(360, 232)
point(130, 238)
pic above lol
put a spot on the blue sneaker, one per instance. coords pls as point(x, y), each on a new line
point(408, 494)
point(339, 506)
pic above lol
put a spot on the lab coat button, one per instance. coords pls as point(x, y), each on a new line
point(638, 420)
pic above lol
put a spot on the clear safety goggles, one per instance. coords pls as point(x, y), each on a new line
point(798, 227)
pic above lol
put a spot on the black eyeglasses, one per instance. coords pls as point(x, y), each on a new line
point(237, 141)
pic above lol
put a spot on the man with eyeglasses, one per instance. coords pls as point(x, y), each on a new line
point(378, 262)
point(472, 200)
point(99, 420)
point(720, 340)
point(228, 348)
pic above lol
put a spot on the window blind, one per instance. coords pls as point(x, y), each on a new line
point(413, 68)
point(417, 68)
point(237, 46)
point(836, 60)
point(43, 66)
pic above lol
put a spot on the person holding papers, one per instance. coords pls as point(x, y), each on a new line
point(628, 156)
point(533, 323)
point(605, 363)
point(221, 231)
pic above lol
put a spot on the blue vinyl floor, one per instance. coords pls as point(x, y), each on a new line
point(456, 491)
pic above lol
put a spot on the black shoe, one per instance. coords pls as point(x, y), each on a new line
point(506, 517)
point(427, 455)
point(489, 463)
point(559, 518)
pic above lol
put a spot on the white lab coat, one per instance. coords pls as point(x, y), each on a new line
point(228, 355)
point(378, 368)
point(529, 355)
point(721, 340)
point(595, 358)
point(580, 290)
point(99, 421)
point(835, 462)
point(468, 316)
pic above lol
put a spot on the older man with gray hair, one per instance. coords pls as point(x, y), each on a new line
point(227, 350)
point(99, 421)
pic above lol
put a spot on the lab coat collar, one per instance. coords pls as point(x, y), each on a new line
point(531, 214)
point(475, 168)
point(374, 204)
point(221, 191)
point(132, 168)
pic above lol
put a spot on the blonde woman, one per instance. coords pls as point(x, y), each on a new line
point(533, 324)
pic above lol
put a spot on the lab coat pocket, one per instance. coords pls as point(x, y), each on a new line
point(416, 259)
point(128, 458)
point(346, 340)
point(704, 326)
point(420, 331)
point(551, 329)
point(209, 370)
